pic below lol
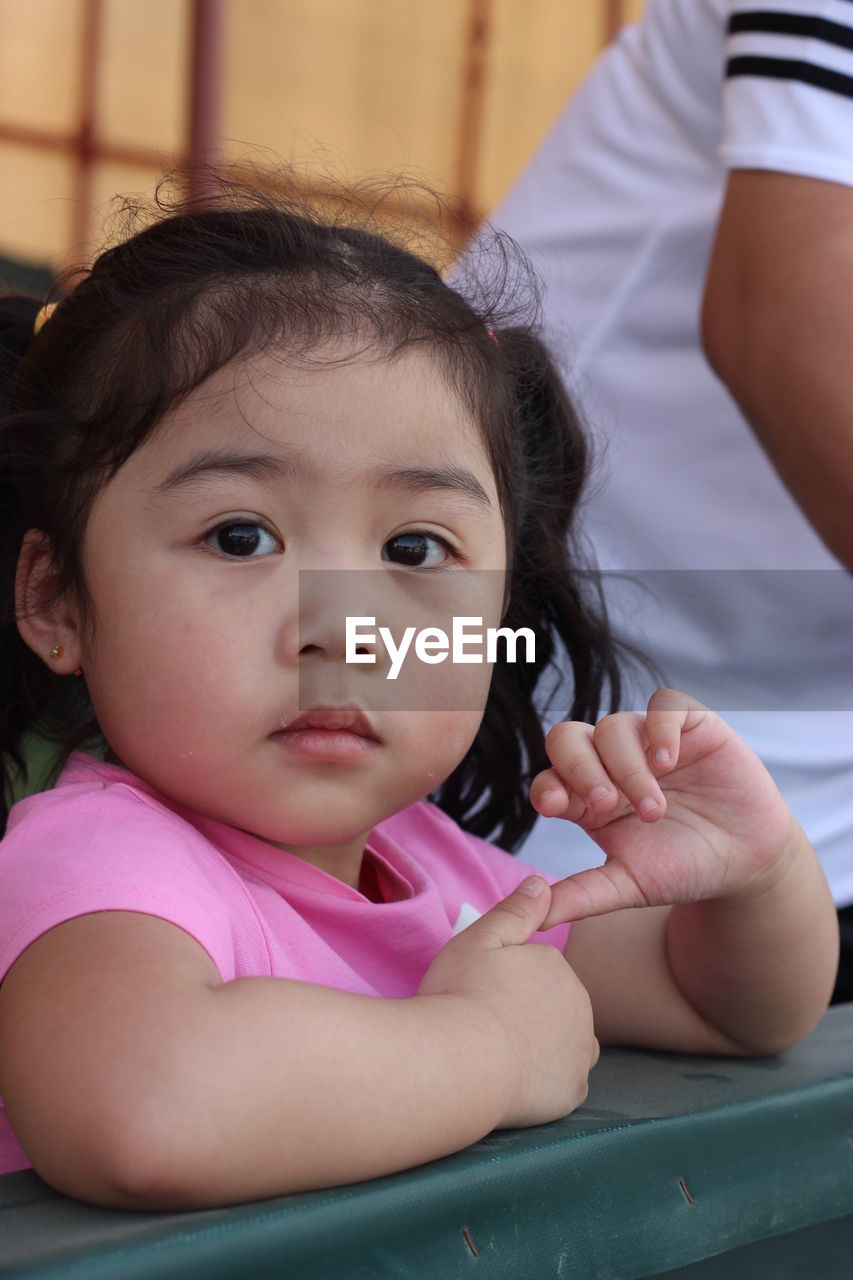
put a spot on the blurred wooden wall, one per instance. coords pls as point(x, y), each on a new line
point(95, 95)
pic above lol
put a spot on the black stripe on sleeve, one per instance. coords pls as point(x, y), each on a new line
point(792, 24)
point(791, 69)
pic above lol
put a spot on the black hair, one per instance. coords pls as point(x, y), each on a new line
point(167, 306)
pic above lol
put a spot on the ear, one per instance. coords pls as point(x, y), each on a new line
point(46, 617)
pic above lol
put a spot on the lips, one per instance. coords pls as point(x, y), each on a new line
point(330, 734)
point(348, 718)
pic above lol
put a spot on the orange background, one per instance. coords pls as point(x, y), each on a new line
point(456, 91)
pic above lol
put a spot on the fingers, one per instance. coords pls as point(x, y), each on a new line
point(597, 764)
point(578, 781)
point(595, 892)
point(624, 755)
point(666, 716)
point(511, 921)
point(621, 742)
point(549, 796)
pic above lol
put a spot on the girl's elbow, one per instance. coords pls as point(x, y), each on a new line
point(770, 1037)
point(121, 1154)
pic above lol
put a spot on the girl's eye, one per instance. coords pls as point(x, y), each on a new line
point(242, 540)
point(417, 550)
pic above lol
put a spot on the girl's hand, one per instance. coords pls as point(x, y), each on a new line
point(535, 1011)
point(683, 809)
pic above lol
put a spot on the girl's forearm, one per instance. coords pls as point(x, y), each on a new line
point(135, 1078)
point(760, 966)
point(340, 1088)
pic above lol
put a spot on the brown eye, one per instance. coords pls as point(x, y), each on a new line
point(416, 550)
point(243, 541)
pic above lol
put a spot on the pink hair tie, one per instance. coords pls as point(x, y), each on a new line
point(493, 336)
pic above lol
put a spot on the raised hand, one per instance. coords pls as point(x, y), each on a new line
point(683, 809)
point(534, 1008)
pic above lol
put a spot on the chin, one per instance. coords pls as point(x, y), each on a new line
point(324, 826)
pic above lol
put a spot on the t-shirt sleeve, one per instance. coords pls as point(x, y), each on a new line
point(81, 849)
point(788, 89)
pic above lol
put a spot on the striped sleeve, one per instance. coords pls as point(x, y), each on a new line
point(788, 93)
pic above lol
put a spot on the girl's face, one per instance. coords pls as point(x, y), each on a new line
point(196, 657)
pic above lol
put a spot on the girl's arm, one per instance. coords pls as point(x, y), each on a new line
point(760, 965)
point(737, 947)
point(746, 975)
point(134, 1077)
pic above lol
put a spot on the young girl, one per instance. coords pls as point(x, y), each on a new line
point(194, 928)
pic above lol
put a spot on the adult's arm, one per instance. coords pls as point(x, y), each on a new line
point(777, 327)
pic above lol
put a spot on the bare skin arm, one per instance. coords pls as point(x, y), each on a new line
point(134, 1077)
point(749, 975)
point(777, 327)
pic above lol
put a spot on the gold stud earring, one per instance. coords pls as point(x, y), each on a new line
point(57, 651)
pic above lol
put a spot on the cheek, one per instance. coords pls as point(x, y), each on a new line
point(436, 743)
point(161, 670)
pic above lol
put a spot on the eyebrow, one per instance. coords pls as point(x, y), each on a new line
point(426, 479)
point(261, 466)
point(258, 466)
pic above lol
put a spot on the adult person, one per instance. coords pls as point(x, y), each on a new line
point(691, 214)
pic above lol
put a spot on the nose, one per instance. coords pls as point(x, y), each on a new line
point(316, 641)
point(326, 598)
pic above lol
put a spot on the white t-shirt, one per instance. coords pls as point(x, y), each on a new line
point(736, 599)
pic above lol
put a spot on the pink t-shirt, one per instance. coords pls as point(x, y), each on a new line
point(102, 840)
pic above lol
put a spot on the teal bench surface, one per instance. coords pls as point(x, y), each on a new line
point(699, 1167)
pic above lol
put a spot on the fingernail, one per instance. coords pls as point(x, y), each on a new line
point(532, 887)
point(597, 793)
point(545, 794)
point(662, 756)
point(647, 805)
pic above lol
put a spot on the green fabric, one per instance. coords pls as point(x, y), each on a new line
point(822, 1252)
point(44, 760)
point(760, 1146)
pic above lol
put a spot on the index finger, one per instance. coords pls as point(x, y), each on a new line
point(594, 892)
